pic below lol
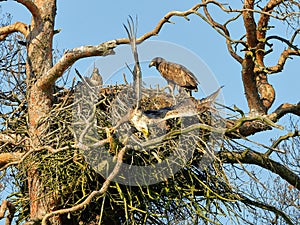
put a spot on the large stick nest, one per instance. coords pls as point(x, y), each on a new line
point(70, 173)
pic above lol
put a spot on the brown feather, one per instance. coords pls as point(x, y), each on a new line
point(175, 73)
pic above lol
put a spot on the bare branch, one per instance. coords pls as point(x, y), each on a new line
point(6, 158)
point(259, 159)
point(284, 109)
point(261, 28)
point(294, 35)
point(261, 205)
point(72, 56)
point(31, 7)
point(16, 27)
point(289, 43)
point(225, 30)
point(250, 24)
point(102, 191)
point(296, 133)
point(282, 60)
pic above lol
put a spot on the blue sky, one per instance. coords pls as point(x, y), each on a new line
point(92, 22)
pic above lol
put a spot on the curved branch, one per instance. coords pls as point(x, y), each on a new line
point(259, 159)
point(16, 27)
point(72, 56)
point(284, 109)
point(261, 205)
point(160, 24)
point(282, 60)
point(31, 7)
point(225, 30)
point(295, 35)
point(296, 133)
point(247, 126)
point(289, 43)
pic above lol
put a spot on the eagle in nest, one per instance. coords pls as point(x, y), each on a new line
point(176, 74)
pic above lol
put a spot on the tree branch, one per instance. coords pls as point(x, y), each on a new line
point(160, 24)
point(31, 7)
point(284, 109)
point(184, 14)
point(225, 30)
point(72, 56)
point(250, 24)
point(16, 27)
point(261, 29)
point(261, 205)
point(259, 159)
point(281, 61)
point(6, 158)
point(296, 133)
point(288, 42)
point(250, 125)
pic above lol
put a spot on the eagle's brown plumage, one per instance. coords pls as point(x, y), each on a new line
point(175, 74)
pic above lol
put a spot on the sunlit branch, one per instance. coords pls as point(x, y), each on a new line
point(294, 35)
point(72, 56)
point(282, 60)
point(16, 27)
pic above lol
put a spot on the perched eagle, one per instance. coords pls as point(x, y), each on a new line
point(176, 74)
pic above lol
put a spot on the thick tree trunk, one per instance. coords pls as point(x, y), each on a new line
point(40, 98)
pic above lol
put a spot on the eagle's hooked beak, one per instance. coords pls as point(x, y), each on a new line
point(151, 64)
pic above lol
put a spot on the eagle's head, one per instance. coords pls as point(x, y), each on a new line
point(156, 61)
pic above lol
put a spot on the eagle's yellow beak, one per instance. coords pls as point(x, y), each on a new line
point(151, 64)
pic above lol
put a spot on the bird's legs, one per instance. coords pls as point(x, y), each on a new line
point(172, 89)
